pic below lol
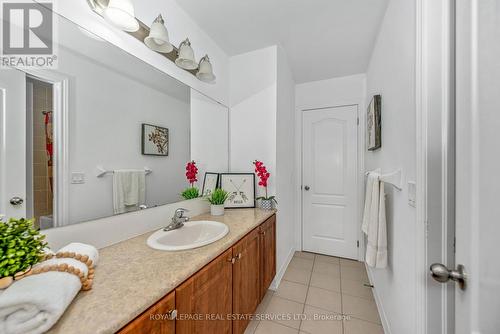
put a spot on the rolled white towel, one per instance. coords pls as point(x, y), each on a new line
point(33, 304)
point(82, 249)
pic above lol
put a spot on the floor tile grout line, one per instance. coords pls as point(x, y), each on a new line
point(341, 298)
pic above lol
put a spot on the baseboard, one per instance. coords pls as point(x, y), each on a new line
point(281, 271)
point(378, 301)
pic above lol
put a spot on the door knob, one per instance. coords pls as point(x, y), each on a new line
point(442, 274)
point(307, 188)
point(16, 201)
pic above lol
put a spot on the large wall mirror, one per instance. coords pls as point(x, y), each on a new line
point(103, 134)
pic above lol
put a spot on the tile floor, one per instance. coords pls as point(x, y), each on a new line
point(327, 294)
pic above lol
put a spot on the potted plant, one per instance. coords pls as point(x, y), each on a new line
point(217, 199)
point(266, 202)
point(191, 175)
point(21, 246)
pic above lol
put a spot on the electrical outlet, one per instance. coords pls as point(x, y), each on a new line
point(412, 194)
point(77, 178)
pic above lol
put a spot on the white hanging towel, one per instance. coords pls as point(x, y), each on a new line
point(375, 224)
point(129, 190)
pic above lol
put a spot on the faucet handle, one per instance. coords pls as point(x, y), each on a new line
point(179, 213)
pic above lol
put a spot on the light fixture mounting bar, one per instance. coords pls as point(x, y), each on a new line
point(98, 7)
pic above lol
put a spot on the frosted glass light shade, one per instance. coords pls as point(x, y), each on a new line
point(185, 58)
point(205, 72)
point(120, 13)
point(158, 37)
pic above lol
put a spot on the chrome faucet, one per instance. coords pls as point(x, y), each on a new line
point(178, 220)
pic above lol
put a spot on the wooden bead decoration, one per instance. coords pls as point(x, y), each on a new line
point(64, 267)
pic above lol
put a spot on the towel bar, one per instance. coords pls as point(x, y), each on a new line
point(101, 171)
point(394, 178)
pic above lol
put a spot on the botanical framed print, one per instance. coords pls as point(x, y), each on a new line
point(374, 124)
point(241, 189)
point(210, 182)
point(154, 140)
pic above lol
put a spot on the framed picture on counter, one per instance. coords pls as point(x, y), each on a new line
point(210, 182)
point(241, 189)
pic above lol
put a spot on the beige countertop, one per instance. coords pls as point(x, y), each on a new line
point(130, 276)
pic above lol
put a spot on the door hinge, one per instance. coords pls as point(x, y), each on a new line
point(358, 120)
point(357, 243)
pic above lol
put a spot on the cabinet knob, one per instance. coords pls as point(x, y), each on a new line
point(239, 256)
point(232, 260)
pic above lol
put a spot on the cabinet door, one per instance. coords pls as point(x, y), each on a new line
point(204, 301)
point(158, 319)
point(268, 253)
point(246, 280)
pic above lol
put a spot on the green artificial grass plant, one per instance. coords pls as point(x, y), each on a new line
point(21, 246)
point(218, 197)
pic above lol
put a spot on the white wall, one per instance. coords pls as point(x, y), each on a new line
point(253, 112)
point(285, 163)
point(105, 130)
point(209, 135)
point(391, 73)
point(349, 90)
point(179, 25)
point(262, 128)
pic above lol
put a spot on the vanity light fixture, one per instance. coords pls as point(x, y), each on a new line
point(205, 72)
point(185, 56)
point(157, 39)
point(120, 13)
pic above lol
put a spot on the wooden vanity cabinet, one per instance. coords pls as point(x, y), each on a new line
point(158, 319)
point(221, 297)
point(246, 280)
point(204, 301)
point(267, 232)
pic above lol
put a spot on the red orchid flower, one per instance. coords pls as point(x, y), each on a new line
point(191, 172)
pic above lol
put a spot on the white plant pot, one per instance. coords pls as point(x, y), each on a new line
point(217, 210)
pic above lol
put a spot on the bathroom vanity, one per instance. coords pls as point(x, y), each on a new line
point(211, 289)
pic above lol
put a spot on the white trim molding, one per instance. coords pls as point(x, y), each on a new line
point(61, 140)
point(435, 161)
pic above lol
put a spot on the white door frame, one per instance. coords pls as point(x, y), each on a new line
point(61, 140)
point(299, 109)
point(434, 98)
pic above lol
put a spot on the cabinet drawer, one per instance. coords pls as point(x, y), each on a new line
point(158, 319)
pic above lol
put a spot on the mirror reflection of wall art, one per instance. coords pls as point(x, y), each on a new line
point(210, 183)
point(374, 124)
point(241, 189)
point(154, 140)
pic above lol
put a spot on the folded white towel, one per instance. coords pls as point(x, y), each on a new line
point(129, 190)
point(33, 304)
point(82, 249)
point(376, 228)
point(371, 181)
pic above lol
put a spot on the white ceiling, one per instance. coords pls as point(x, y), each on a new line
point(322, 38)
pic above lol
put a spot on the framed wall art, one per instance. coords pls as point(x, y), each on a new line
point(374, 124)
point(154, 140)
point(210, 182)
point(241, 189)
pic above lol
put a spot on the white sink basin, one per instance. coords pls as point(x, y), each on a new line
point(192, 235)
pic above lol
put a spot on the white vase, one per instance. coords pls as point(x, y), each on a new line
point(217, 210)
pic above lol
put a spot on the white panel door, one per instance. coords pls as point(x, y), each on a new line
point(12, 142)
point(329, 157)
point(477, 307)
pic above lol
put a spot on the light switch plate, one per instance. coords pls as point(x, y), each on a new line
point(412, 194)
point(77, 178)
